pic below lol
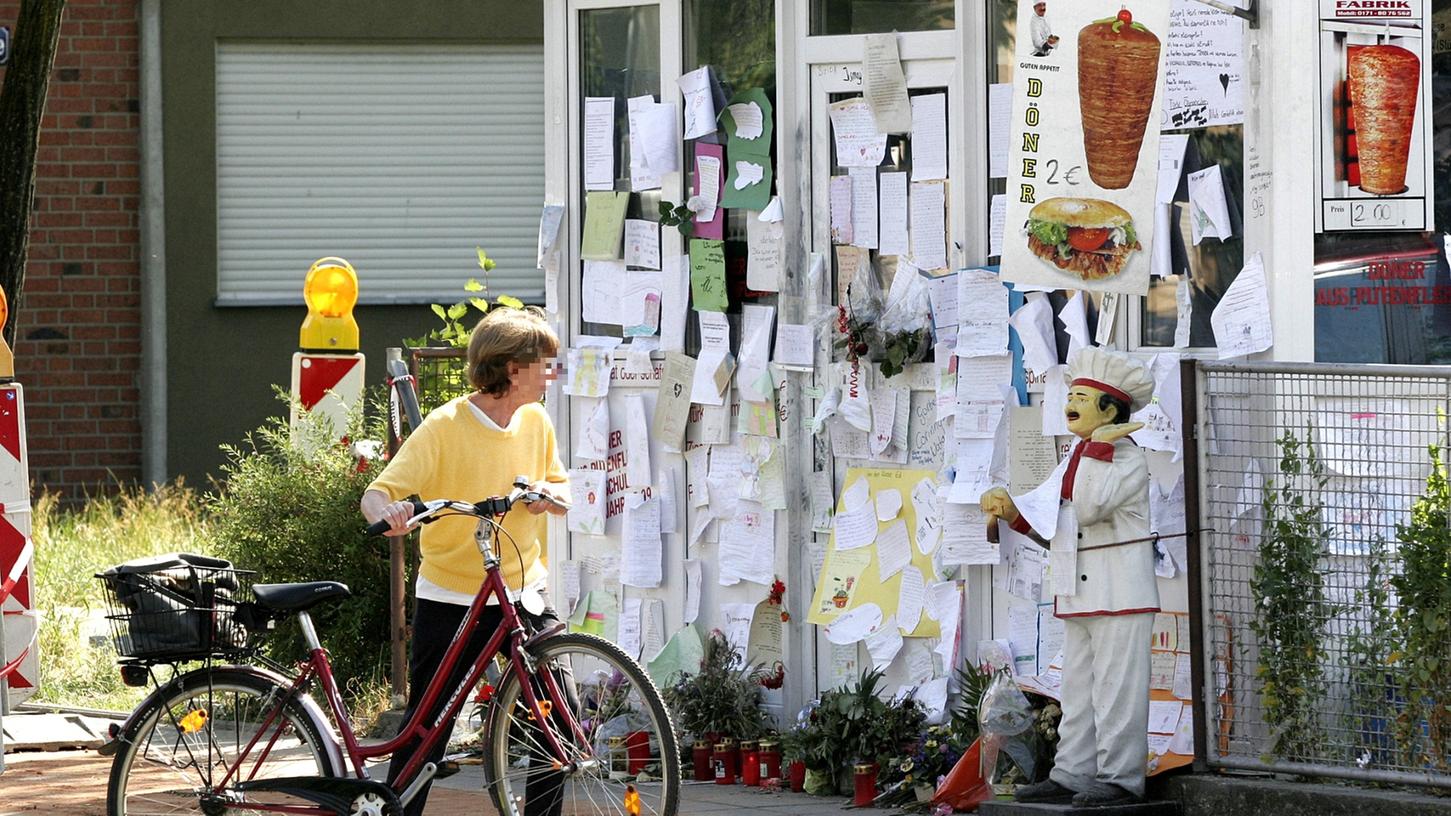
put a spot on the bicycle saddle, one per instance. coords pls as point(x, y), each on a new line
point(298, 597)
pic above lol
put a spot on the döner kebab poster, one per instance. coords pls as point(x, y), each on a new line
point(1084, 144)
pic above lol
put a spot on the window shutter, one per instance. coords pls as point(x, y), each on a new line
point(399, 158)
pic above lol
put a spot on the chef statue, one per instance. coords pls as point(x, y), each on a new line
point(1104, 590)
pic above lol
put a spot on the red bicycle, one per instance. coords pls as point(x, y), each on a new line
point(572, 715)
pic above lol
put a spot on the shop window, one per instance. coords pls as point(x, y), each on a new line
point(1211, 266)
point(619, 58)
point(1385, 297)
point(738, 41)
point(879, 16)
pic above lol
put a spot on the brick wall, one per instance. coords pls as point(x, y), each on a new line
point(79, 348)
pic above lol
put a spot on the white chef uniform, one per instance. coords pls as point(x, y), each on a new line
point(1108, 620)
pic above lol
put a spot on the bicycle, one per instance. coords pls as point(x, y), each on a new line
point(572, 713)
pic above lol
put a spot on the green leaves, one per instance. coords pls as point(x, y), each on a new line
point(456, 318)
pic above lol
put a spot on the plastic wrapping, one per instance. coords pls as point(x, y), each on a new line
point(1005, 720)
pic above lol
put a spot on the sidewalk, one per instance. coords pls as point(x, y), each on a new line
point(73, 783)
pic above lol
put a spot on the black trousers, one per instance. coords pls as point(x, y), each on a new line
point(434, 625)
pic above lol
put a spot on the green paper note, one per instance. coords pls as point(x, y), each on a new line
point(597, 613)
point(604, 225)
point(756, 192)
point(707, 275)
point(682, 653)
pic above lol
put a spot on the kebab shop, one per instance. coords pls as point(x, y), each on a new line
point(806, 255)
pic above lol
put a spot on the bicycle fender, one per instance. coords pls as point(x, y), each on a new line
point(197, 679)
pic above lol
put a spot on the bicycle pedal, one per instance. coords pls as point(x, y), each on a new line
point(446, 768)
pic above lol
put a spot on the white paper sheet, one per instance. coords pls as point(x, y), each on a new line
point(1000, 114)
point(944, 605)
point(929, 138)
point(997, 223)
point(569, 576)
point(972, 471)
point(894, 549)
point(764, 262)
point(1208, 210)
point(858, 142)
point(637, 442)
point(642, 175)
point(692, 590)
point(1034, 324)
point(795, 345)
point(892, 214)
point(1241, 321)
point(674, 302)
point(910, 597)
point(708, 180)
point(1026, 562)
point(942, 294)
point(884, 403)
point(982, 315)
point(1183, 740)
point(1203, 66)
point(856, 494)
point(964, 537)
point(599, 143)
point(629, 631)
point(699, 104)
point(748, 118)
point(889, 504)
point(1055, 402)
point(641, 547)
point(1171, 165)
point(587, 512)
point(1184, 308)
point(1164, 716)
point(863, 206)
point(755, 352)
point(840, 193)
point(549, 220)
point(594, 436)
point(642, 243)
point(884, 644)
point(979, 401)
point(883, 83)
point(660, 137)
point(929, 224)
point(672, 402)
point(1040, 505)
point(600, 291)
point(1074, 317)
point(927, 506)
point(855, 624)
point(748, 546)
point(855, 528)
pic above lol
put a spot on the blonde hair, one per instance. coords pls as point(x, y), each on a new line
point(505, 336)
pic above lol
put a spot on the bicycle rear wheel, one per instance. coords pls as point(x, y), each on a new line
point(625, 758)
point(189, 737)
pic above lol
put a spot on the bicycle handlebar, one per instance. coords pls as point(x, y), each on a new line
point(492, 507)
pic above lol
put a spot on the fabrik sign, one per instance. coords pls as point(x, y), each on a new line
point(1373, 8)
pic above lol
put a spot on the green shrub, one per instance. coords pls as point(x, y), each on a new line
point(71, 546)
point(287, 507)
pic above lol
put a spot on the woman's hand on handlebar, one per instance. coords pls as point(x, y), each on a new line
point(397, 515)
point(549, 501)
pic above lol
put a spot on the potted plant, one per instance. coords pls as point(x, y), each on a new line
point(719, 702)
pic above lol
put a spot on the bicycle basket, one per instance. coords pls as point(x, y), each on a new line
point(176, 607)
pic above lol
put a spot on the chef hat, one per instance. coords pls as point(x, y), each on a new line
point(1112, 373)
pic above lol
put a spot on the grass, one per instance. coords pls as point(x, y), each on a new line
point(71, 546)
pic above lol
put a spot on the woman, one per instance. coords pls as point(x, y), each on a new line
point(471, 448)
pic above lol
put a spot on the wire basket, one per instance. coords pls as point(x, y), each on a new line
point(177, 607)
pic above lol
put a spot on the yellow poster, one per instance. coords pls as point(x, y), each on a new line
point(852, 575)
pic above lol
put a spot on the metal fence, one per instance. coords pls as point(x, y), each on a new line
point(1318, 645)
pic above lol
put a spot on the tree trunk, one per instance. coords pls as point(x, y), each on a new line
point(22, 101)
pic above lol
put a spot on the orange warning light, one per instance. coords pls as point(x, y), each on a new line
point(330, 291)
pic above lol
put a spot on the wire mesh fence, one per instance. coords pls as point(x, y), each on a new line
point(441, 375)
point(1326, 592)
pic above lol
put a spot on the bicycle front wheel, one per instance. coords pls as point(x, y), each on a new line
point(620, 745)
point(189, 739)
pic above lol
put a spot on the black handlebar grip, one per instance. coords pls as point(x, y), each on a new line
point(382, 526)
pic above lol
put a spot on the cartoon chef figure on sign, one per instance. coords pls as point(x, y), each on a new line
point(1094, 510)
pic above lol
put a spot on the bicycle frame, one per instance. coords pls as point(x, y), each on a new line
point(511, 633)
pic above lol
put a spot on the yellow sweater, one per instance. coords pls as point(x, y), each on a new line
point(453, 455)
